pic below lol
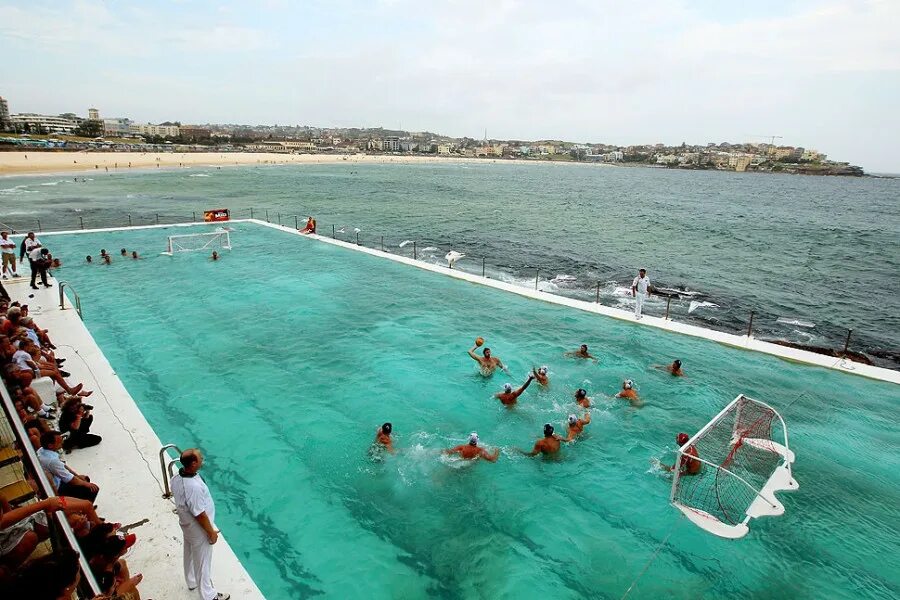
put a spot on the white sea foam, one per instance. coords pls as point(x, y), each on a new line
point(695, 305)
point(680, 292)
point(429, 249)
point(198, 175)
point(564, 279)
point(797, 322)
point(405, 243)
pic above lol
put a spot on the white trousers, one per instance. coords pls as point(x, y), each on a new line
point(639, 303)
point(198, 560)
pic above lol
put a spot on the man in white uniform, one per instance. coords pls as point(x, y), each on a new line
point(196, 515)
point(8, 248)
point(640, 289)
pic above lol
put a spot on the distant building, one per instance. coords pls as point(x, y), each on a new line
point(4, 113)
point(195, 132)
point(36, 122)
point(93, 114)
point(444, 149)
point(390, 143)
point(117, 127)
point(739, 162)
point(148, 129)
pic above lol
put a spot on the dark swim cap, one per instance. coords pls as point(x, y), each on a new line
point(678, 363)
point(580, 393)
point(682, 439)
point(386, 428)
point(548, 429)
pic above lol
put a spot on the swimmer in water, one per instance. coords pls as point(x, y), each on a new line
point(582, 399)
point(215, 255)
point(541, 375)
point(688, 465)
point(509, 396)
point(576, 425)
point(674, 369)
point(582, 352)
point(123, 252)
point(383, 437)
point(473, 451)
point(107, 259)
point(488, 362)
point(134, 255)
point(89, 259)
point(628, 393)
point(547, 445)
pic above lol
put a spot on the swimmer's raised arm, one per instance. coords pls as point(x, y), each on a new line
point(474, 356)
point(490, 457)
point(524, 386)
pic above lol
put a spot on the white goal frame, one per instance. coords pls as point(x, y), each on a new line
point(214, 236)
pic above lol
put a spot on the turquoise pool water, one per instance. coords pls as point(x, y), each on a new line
point(281, 359)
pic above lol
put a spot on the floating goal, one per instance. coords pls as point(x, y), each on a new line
point(745, 459)
point(195, 242)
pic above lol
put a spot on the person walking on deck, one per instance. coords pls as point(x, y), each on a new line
point(640, 290)
point(196, 515)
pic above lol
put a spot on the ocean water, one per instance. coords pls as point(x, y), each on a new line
point(281, 359)
point(813, 257)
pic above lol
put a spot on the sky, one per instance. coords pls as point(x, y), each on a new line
point(822, 74)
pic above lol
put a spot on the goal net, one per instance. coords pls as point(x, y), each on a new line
point(744, 458)
point(194, 242)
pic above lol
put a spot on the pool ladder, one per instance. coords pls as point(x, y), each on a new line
point(62, 298)
point(165, 464)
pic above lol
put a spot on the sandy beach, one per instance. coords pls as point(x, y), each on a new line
point(28, 163)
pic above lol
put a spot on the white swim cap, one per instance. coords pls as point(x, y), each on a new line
point(629, 384)
point(572, 419)
point(473, 439)
point(507, 387)
point(543, 370)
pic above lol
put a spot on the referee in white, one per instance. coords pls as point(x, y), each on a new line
point(196, 515)
point(640, 289)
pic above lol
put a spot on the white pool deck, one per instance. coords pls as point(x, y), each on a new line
point(126, 464)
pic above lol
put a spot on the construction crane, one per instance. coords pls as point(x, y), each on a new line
point(771, 138)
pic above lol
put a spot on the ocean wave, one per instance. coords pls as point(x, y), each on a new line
point(198, 175)
point(429, 249)
point(405, 243)
point(564, 279)
point(695, 305)
point(797, 322)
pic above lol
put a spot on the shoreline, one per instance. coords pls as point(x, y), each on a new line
point(14, 164)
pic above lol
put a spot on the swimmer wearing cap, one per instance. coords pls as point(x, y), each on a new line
point(383, 437)
point(541, 375)
point(582, 352)
point(547, 445)
point(689, 465)
point(582, 399)
point(473, 451)
point(576, 425)
point(674, 369)
point(509, 396)
point(488, 362)
point(628, 393)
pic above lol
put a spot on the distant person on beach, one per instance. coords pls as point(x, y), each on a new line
point(674, 369)
point(509, 396)
point(215, 255)
point(581, 398)
point(628, 393)
point(8, 248)
point(688, 465)
point(582, 352)
point(541, 375)
point(576, 425)
point(640, 290)
point(383, 437)
point(547, 445)
point(310, 226)
point(488, 362)
point(472, 450)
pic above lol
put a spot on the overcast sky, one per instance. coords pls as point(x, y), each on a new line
point(823, 75)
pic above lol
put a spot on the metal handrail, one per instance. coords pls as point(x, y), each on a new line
point(166, 467)
point(87, 576)
point(62, 298)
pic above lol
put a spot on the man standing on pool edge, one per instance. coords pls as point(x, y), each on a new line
point(640, 290)
point(196, 515)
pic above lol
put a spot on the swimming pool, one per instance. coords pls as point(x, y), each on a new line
point(282, 358)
